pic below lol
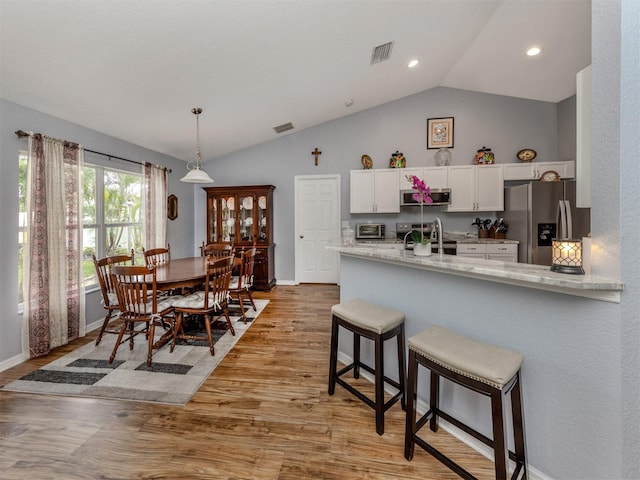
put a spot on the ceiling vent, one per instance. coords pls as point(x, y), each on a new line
point(381, 53)
point(284, 127)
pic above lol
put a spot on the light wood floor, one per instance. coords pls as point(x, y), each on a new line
point(264, 413)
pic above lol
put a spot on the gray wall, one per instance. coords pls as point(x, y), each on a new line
point(15, 117)
point(505, 124)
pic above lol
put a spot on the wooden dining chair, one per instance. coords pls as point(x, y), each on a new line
point(158, 255)
point(109, 296)
point(217, 250)
point(211, 303)
point(241, 285)
point(140, 310)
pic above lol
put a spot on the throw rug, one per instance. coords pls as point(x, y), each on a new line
point(173, 378)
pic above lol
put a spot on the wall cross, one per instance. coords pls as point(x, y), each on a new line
point(315, 153)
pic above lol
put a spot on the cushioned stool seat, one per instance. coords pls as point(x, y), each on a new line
point(377, 323)
point(487, 369)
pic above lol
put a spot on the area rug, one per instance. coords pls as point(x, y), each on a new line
point(173, 378)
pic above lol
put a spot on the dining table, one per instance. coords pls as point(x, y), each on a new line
point(177, 274)
point(181, 273)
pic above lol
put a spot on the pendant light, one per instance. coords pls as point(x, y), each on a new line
point(195, 173)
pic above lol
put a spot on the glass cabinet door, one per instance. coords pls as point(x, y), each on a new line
point(228, 207)
point(262, 219)
point(212, 219)
point(246, 215)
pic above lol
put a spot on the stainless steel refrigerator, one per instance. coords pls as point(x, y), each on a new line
point(532, 214)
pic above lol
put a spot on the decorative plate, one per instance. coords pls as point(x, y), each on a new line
point(527, 155)
point(247, 203)
point(366, 161)
point(231, 204)
point(262, 202)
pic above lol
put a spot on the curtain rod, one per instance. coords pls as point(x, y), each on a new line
point(21, 134)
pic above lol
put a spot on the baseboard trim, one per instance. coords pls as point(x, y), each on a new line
point(18, 359)
point(422, 407)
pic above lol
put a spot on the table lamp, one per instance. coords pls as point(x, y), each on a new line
point(566, 256)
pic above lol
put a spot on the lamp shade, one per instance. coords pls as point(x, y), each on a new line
point(197, 176)
point(566, 256)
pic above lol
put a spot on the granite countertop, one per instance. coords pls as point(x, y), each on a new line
point(522, 274)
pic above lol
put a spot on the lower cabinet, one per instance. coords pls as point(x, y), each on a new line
point(505, 252)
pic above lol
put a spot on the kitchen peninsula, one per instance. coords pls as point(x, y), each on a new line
point(520, 274)
point(560, 323)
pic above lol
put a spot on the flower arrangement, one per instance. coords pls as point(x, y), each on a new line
point(422, 195)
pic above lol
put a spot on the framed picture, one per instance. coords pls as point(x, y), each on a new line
point(440, 132)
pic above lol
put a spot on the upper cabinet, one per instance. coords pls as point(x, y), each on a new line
point(476, 188)
point(583, 138)
point(533, 170)
point(375, 191)
point(434, 177)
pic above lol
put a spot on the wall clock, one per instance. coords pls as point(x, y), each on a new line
point(550, 176)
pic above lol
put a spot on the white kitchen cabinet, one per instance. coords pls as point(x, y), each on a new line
point(476, 188)
point(505, 252)
point(375, 191)
point(434, 177)
point(533, 170)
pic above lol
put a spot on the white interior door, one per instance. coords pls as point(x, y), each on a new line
point(317, 217)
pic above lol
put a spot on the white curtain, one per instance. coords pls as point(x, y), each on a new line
point(155, 179)
point(54, 310)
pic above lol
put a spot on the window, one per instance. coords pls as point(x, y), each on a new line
point(113, 223)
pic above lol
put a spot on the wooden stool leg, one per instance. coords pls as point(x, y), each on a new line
point(379, 384)
point(412, 381)
point(434, 400)
point(499, 439)
point(333, 357)
point(402, 368)
point(356, 355)
point(518, 426)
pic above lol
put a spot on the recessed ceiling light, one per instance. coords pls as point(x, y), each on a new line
point(413, 63)
point(533, 51)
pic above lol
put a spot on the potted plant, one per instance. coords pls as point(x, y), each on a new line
point(421, 244)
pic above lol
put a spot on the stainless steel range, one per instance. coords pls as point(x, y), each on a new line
point(403, 232)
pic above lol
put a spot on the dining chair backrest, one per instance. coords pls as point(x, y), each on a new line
point(157, 256)
point(109, 297)
point(216, 249)
point(218, 279)
point(247, 263)
point(137, 291)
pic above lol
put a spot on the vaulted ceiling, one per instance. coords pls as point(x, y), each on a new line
point(134, 69)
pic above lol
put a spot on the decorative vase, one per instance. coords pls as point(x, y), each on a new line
point(422, 249)
point(442, 157)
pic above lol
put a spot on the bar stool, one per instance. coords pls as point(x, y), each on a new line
point(377, 323)
point(489, 370)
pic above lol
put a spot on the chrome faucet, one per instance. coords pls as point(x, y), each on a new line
point(404, 241)
point(437, 226)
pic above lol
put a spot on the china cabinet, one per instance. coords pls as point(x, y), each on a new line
point(243, 216)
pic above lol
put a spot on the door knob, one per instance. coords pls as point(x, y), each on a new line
point(301, 236)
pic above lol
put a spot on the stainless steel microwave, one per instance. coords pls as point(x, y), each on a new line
point(371, 231)
point(440, 196)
